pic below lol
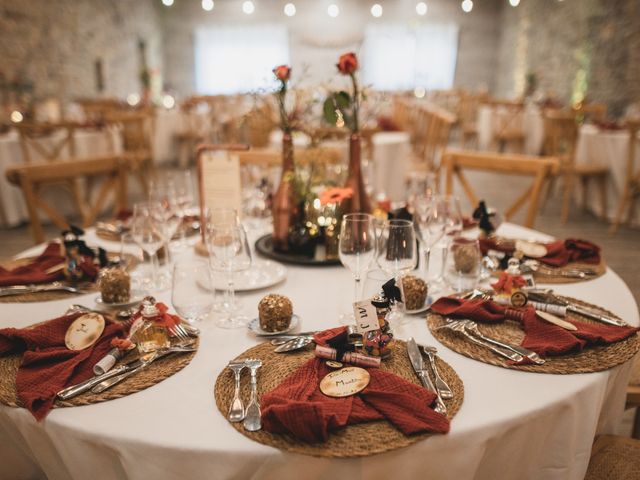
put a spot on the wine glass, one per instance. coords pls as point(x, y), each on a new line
point(148, 234)
point(184, 199)
point(430, 224)
point(191, 292)
point(357, 249)
point(229, 253)
point(452, 217)
point(397, 252)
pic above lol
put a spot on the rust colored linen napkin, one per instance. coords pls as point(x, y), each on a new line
point(35, 272)
point(559, 253)
point(47, 364)
point(297, 406)
point(540, 336)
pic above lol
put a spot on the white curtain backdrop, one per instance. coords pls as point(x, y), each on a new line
point(239, 59)
point(400, 57)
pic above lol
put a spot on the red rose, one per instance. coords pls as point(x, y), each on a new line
point(282, 72)
point(348, 63)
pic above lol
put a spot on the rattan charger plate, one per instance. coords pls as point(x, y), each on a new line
point(353, 441)
point(145, 378)
point(592, 359)
point(53, 295)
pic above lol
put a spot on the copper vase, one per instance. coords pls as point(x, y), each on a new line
point(284, 206)
point(359, 202)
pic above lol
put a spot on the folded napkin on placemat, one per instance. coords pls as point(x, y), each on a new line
point(559, 253)
point(540, 336)
point(47, 364)
point(36, 271)
point(297, 406)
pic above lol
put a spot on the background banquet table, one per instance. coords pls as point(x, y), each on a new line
point(610, 148)
point(512, 424)
point(89, 142)
point(530, 121)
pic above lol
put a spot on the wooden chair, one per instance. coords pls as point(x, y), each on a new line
point(507, 125)
point(136, 133)
point(437, 127)
point(614, 457)
point(31, 178)
point(631, 191)
point(596, 112)
point(467, 117)
point(540, 168)
point(561, 138)
point(97, 109)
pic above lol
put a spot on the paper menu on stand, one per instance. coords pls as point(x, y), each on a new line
point(219, 172)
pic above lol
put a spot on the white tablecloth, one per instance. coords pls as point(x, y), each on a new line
point(530, 122)
point(88, 143)
point(512, 425)
point(609, 148)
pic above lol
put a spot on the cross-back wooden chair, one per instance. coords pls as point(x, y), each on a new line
point(467, 117)
point(507, 129)
point(96, 109)
point(136, 132)
point(540, 168)
point(437, 129)
point(561, 138)
point(631, 191)
point(30, 178)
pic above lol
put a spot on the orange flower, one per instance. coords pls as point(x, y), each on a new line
point(335, 195)
point(282, 72)
point(348, 63)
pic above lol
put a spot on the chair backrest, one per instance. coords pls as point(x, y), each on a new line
point(633, 127)
point(561, 134)
point(591, 111)
point(48, 142)
point(135, 128)
point(436, 124)
point(96, 109)
point(540, 168)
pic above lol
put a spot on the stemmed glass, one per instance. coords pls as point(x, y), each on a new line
point(229, 252)
point(191, 290)
point(430, 224)
point(357, 249)
point(148, 234)
point(397, 253)
point(452, 216)
point(184, 198)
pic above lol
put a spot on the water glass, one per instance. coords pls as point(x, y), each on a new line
point(192, 291)
point(463, 264)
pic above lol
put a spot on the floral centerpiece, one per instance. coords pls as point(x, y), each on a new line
point(342, 109)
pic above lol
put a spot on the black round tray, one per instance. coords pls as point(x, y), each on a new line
point(264, 246)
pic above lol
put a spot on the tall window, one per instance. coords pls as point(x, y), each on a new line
point(238, 59)
point(398, 57)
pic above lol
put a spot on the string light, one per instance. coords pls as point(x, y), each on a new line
point(168, 102)
point(289, 9)
point(333, 10)
point(16, 116)
point(248, 7)
point(514, 3)
point(467, 6)
point(207, 5)
point(167, 3)
point(421, 8)
point(376, 10)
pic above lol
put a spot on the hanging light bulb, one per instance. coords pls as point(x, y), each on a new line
point(289, 9)
point(376, 10)
point(16, 116)
point(467, 6)
point(333, 10)
point(167, 3)
point(421, 8)
point(207, 5)
point(514, 3)
point(248, 7)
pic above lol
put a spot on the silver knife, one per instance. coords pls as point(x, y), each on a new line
point(418, 366)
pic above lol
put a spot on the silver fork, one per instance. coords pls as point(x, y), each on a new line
point(179, 331)
point(252, 418)
point(458, 326)
point(443, 389)
point(236, 410)
point(472, 327)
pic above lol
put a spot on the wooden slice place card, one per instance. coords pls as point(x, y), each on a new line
point(84, 331)
point(344, 382)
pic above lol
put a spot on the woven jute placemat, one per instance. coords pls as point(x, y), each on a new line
point(131, 261)
point(352, 441)
point(591, 359)
point(145, 378)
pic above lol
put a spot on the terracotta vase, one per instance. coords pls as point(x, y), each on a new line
point(359, 202)
point(284, 205)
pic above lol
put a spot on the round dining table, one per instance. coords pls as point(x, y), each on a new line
point(511, 425)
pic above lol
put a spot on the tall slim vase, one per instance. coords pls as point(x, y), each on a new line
point(359, 202)
point(284, 206)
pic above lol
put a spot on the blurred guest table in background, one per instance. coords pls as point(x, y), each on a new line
point(512, 424)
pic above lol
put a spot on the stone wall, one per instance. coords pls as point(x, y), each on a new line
point(54, 44)
point(317, 39)
point(573, 47)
